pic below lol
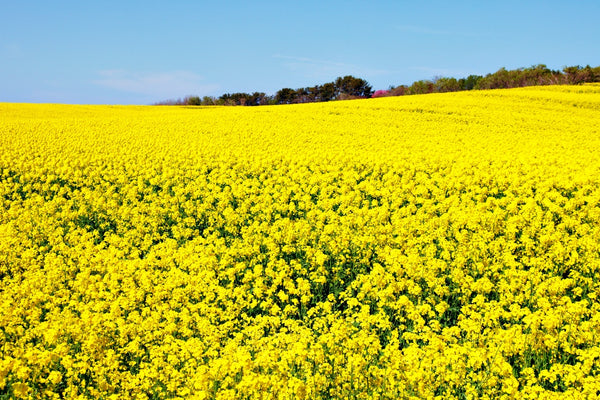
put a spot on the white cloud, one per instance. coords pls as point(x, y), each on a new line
point(11, 50)
point(423, 30)
point(433, 72)
point(161, 85)
point(323, 69)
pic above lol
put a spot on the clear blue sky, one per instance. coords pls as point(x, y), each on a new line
point(141, 52)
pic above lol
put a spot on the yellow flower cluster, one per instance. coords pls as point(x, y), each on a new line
point(438, 246)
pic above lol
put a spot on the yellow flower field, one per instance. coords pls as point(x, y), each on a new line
point(435, 246)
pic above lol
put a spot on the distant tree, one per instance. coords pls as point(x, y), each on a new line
point(240, 99)
point(257, 99)
point(538, 74)
point(192, 101)
point(170, 102)
point(301, 95)
point(326, 92)
point(596, 74)
point(498, 80)
point(571, 74)
point(575, 75)
point(225, 99)
point(349, 86)
point(469, 82)
point(443, 85)
point(312, 93)
point(234, 99)
point(421, 87)
point(398, 90)
point(588, 74)
point(380, 93)
point(535, 75)
point(209, 101)
point(285, 96)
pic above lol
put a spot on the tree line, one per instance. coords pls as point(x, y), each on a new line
point(350, 87)
point(502, 79)
point(343, 88)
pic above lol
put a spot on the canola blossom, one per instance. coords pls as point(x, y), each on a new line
point(436, 246)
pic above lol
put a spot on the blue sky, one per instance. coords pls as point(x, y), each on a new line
point(141, 52)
